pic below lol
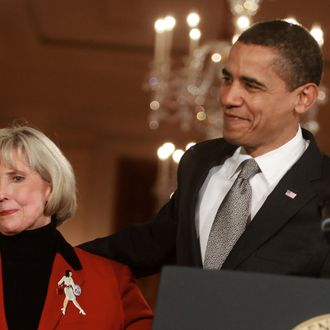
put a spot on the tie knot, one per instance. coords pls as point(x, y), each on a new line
point(249, 169)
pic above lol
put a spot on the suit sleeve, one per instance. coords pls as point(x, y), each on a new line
point(146, 247)
point(137, 313)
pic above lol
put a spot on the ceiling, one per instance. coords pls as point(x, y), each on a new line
point(73, 66)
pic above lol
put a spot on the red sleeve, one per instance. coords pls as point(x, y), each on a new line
point(137, 313)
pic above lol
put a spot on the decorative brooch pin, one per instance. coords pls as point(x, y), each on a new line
point(71, 290)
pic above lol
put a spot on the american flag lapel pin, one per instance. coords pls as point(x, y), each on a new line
point(290, 194)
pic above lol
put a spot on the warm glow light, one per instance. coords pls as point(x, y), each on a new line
point(313, 126)
point(193, 20)
point(243, 22)
point(234, 38)
point(201, 115)
point(238, 8)
point(291, 20)
point(322, 96)
point(169, 23)
point(189, 145)
point(165, 150)
point(250, 6)
point(195, 34)
point(317, 33)
point(153, 124)
point(177, 154)
point(160, 25)
point(154, 105)
point(216, 57)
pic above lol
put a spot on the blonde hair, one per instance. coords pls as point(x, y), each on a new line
point(44, 157)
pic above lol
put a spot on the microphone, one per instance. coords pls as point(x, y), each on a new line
point(325, 220)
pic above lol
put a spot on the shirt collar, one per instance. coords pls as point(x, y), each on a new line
point(231, 165)
point(283, 158)
point(276, 163)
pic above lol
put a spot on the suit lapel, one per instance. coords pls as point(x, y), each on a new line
point(303, 180)
point(51, 314)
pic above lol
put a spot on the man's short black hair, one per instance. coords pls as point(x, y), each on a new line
point(300, 59)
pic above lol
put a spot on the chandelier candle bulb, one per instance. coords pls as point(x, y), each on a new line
point(169, 26)
point(317, 32)
point(193, 20)
point(177, 154)
point(242, 23)
point(159, 40)
point(291, 20)
point(189, 145)
point(194, 35)
point(165, 183)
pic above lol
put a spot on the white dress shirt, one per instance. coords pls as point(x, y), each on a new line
point(273, 166)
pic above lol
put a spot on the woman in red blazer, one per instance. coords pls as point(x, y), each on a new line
point(45, 283)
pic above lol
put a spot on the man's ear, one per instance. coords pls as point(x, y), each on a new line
point(306, 96)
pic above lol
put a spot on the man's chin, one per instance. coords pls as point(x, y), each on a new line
point(232, 138)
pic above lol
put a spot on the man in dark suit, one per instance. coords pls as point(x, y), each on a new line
point(270, 80)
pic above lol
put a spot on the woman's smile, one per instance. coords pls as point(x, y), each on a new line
point(4, 213)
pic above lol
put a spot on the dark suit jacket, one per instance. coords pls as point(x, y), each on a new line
point(109, 295)
point(283, 238)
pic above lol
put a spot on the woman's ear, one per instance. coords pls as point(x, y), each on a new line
point(307, 95)
point(48, 190)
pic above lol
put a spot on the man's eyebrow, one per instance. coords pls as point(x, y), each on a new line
point(253, 81)
point(246, 79)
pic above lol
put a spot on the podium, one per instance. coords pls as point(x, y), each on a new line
point(195, 299)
